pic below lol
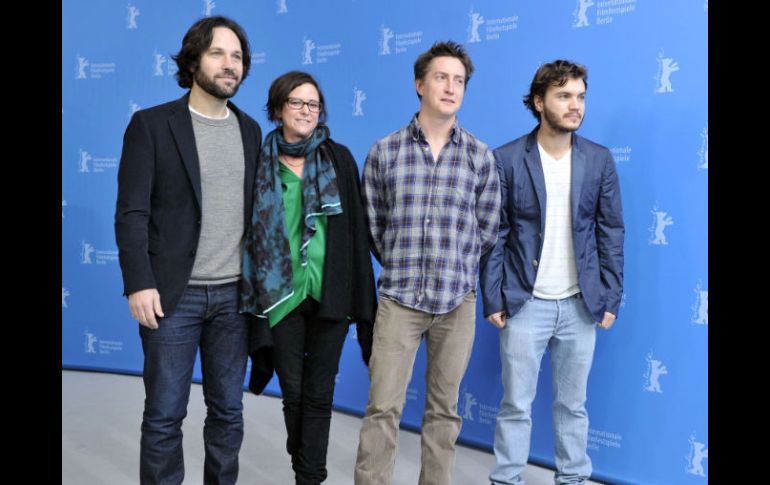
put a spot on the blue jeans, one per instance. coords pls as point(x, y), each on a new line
point(306, 355)
point(568, 330)
point(206, 316)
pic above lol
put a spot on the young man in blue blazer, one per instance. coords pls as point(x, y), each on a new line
point(556, 271)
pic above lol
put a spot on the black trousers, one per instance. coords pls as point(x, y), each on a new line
point(306, 356)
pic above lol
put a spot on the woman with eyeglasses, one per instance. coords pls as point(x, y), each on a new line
point(307, 269)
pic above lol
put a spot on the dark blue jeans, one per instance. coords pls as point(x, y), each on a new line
point(306, 356)
point(206, 317)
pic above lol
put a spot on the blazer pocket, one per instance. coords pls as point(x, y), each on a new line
point(525, 201)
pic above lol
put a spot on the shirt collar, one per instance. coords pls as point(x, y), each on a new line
point(417, 134)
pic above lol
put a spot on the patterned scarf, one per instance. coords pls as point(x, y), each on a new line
point(267, 274)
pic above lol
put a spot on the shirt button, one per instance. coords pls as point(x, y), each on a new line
point(534, 262)
point(427, 220)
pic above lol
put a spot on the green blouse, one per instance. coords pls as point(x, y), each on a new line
point(306, 280)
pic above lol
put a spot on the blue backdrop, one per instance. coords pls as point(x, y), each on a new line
point(647, 101)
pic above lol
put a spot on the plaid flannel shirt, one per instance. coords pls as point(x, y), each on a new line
point(430, 221)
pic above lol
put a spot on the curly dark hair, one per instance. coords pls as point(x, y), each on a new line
point(198, 39)
point(555, 73)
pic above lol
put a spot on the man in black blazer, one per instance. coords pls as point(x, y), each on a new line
point(184, 200)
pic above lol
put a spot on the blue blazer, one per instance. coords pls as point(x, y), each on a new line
point(508, 272)
point(158, 210)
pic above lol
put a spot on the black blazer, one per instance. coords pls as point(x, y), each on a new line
point(158, 214)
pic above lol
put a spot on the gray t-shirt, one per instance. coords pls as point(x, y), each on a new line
point(220, 152)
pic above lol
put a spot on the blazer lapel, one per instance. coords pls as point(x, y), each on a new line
point(182, 130)
point(535, 167)
point(578, 175)
point(250, 156)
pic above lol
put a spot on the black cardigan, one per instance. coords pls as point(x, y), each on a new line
point(348, 278)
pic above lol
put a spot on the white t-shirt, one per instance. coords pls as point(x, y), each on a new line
point(557, 272)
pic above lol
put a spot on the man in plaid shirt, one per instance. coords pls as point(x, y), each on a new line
point(433, 206)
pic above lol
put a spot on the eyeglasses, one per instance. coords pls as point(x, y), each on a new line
point(296, 103)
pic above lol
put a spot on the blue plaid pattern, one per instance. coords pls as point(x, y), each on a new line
point(430, 222)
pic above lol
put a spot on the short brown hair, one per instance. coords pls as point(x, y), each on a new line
point(442, 49)
point(285, 84)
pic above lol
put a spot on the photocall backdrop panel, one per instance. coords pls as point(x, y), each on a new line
point(646, 101)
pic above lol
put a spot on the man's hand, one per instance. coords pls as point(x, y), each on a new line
point(144, 306)
point(497, 319)
point(607, 322)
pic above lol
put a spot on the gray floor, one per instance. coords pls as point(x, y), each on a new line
point(101, 414)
